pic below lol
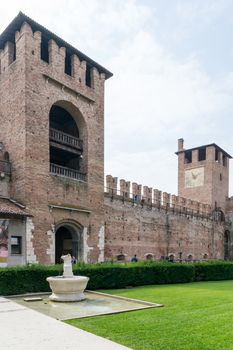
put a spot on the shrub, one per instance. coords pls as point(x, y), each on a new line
point(32, 279)
point(213, 271)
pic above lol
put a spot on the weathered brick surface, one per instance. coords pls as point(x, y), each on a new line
point(28, 89)
point(141, 228)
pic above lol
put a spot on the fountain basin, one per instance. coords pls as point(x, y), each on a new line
point(67, 288)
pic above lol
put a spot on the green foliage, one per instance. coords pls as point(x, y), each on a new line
point(31, 279)
point(213, 271)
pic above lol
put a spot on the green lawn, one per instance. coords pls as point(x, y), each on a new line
point(195, 316)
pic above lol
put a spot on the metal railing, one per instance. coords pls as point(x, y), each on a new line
point(5, 167)
point(66, 172)
point(65, 139)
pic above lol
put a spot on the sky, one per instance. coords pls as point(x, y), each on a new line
point(172, 62)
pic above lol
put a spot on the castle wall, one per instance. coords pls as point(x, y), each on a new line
point(159, 228)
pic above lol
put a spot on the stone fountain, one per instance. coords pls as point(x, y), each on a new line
point(67, 287)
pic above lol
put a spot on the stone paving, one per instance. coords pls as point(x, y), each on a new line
point(26, 329)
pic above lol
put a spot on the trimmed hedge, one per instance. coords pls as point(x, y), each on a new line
point(31, 279)
point(213, 271)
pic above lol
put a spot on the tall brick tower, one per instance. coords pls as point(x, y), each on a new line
point(52, 109)
point(203, 174)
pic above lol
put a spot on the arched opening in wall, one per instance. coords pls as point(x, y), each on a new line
point(226, 245)
point(120, 257)
point(68, 240)
point(149, 256)
point(190, 257)
point(171, 257)
point(205, 256)
point(67, 135)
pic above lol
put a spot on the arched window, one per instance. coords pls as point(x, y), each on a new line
point(171, 257)
point(149, 256)
point(121, 257)
point(190, 257)
point(66, 147)
point(60, 119)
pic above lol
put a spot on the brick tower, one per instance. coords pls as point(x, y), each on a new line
point(52, 109)
point(203, 174)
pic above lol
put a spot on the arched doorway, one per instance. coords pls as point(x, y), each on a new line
point(226, 245)
point(68, 240)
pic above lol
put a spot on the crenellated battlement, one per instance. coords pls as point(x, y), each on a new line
point(6, 56)
point(145, 195)
point(26, 40)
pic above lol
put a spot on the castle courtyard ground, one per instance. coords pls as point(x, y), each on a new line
point(195, 316)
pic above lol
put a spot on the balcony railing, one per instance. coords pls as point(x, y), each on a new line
point(66, 172)
point(65, 139)
point(5, 167)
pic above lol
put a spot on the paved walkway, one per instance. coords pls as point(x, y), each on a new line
point(26, 329)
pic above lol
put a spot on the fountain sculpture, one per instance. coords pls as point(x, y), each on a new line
point(67, 287)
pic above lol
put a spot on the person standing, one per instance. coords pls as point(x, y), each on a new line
point(134, 258)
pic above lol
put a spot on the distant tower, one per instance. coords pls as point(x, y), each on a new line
point(203, 174)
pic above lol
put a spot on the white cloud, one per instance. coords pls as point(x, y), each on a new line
point(153, 100)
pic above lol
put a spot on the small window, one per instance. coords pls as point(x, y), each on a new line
point(88, 75)
point(202, 154)
point(6, 157)
point(190, 257)
point(16, 244)
point(68, 63)
point(224, 160)
point(188, 156)
point(121, 257)
point(220, 177)
point(205, 256)
point(217, 155)
point(44, 50)
point(149, 256)
point(171, 257)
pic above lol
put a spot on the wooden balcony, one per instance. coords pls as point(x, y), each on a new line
point(62, 138)
point(5, 167)
point(59, 170)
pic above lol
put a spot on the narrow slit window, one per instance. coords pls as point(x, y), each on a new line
point(88, 76)
point(68, 63)
point(201, 154)
point(217, 155)
point(44, 49)
point(188, 157)
point(224, 160)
